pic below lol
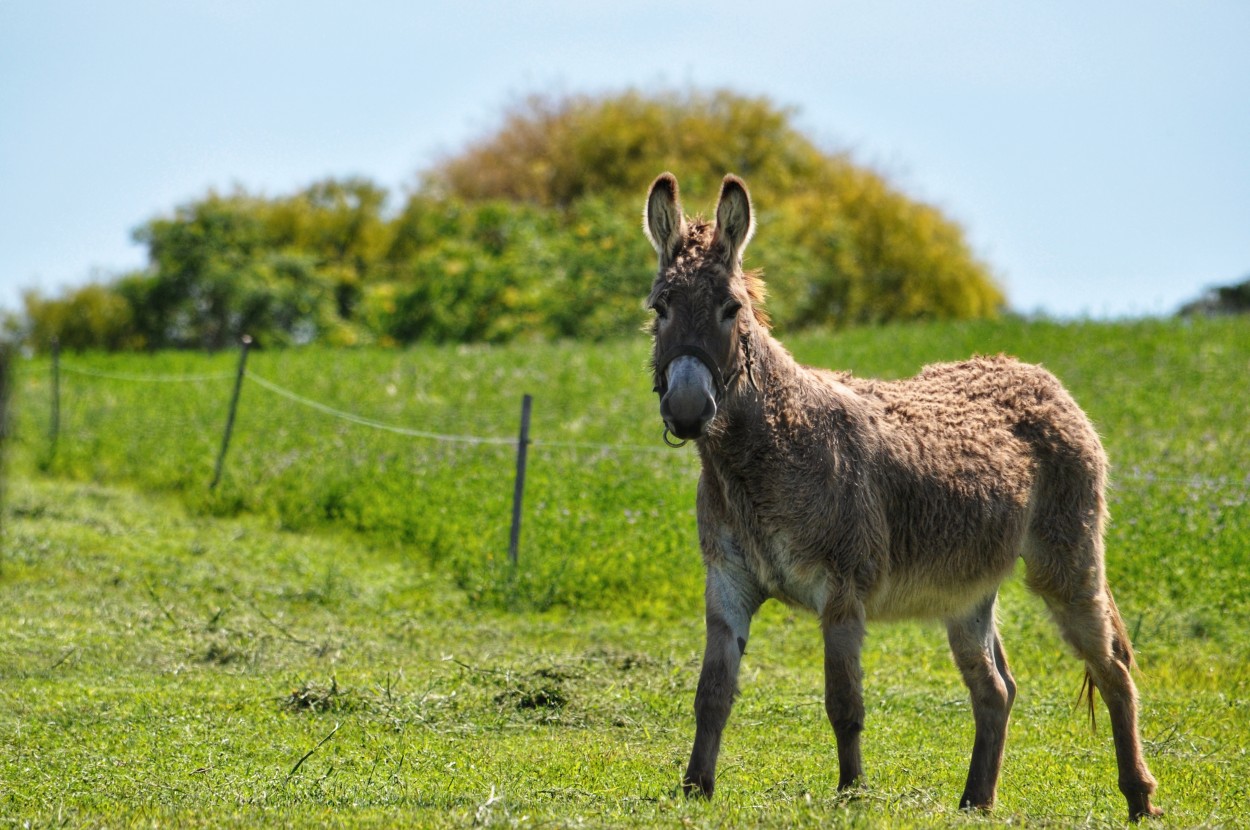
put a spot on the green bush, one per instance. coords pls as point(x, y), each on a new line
point(838, 244)
point(554, 151)
point(94, 316)
point(532, 232)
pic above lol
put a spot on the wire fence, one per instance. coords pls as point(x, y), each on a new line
point(1193, 481)
point(253, 377)
point(520, 439)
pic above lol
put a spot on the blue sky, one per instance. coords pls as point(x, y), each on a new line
point(1098, 154)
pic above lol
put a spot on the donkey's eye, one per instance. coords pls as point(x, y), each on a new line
point(660, 309)
point(731, 310)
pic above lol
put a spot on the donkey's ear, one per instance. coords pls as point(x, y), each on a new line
point(662, 219)
point(734, 221)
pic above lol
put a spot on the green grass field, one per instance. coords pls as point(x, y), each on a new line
point(333, 637)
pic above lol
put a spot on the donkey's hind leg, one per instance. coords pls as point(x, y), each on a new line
point(1081, 604)
point(979, 654)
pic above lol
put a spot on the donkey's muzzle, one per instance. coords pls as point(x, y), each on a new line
point(689, 402)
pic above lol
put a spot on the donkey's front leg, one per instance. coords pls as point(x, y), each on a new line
point(732, 599)
point(843, 627)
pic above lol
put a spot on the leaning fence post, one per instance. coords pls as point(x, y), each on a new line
point(234, 405)
point(521, 445)
point(54, 430)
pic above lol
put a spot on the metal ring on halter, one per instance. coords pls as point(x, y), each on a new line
point(673, 444)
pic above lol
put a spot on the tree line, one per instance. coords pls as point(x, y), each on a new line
point(532, 231)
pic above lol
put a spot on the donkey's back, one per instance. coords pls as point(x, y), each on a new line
point(982, 462)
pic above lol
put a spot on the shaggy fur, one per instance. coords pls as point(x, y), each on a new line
point(866, 499)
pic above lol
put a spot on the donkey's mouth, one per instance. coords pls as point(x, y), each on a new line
point(686, 432)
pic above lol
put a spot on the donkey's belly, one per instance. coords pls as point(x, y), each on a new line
point(925, 595)
point(910, 596)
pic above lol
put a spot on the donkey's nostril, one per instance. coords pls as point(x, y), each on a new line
point(709, 411)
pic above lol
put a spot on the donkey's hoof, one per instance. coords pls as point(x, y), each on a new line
point(969, 805)
point(697, 787)
point(1139, 806)
point(857, 790)
point(1150, 811)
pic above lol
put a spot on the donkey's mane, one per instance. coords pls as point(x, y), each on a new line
point(754, 280)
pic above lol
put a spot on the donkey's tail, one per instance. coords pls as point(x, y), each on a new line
point(1121, 650)
point(1086, 693)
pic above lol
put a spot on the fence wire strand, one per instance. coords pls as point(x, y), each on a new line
point(126, 376)
point(587, 445)
point(360, 420)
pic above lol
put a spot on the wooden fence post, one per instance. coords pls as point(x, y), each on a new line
point(234, 405)
point(518, 492)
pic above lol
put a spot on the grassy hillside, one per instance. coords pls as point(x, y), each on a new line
point(171, 654)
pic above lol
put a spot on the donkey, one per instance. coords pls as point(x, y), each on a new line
point(866, 499)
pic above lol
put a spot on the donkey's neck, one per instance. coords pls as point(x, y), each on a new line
point(759, 407)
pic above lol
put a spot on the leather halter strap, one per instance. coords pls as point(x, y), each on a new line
point(722, 380)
